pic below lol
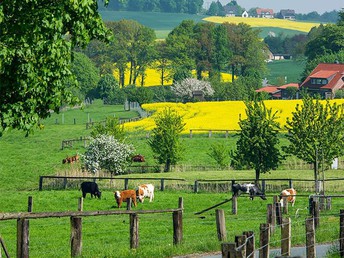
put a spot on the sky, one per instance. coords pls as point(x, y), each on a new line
point(300, 6)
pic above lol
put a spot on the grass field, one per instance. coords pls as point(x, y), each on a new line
point(24, 159)
point(163, 23)
point(289, 69)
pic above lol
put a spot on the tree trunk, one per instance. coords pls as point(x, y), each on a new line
point(316, 181)
point(167, 166)
point(257, 177)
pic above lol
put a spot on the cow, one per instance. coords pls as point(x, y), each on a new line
point(71, 159)
point(289, 194)
point(145, 190)
point(138, 158)
point(90, 187)
point(124, 195)
point(249, 188)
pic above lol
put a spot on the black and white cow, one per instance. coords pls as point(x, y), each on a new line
point(92, 188)
point(250, 189)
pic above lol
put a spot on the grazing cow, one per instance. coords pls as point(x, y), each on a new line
point(250, 189)
point(71, 159)
point(124, 195)
point(92, 188)
point(138, 158)
point(145, 190)
point(289, 194)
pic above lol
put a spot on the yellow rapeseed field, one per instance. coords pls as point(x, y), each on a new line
point(262, 22)
point(153, 78)
point(223, 115)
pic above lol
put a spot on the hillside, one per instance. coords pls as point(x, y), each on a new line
point(163, 23)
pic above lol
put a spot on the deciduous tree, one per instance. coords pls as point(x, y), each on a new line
point(316, 133)
point(257, 146)
point(165, 140)
point(36, 42)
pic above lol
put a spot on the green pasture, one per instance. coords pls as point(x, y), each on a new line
point(163, 23)
point(291, 69)
point(24, 159)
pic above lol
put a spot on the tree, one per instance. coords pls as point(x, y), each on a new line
point(36, 53)
point(109, 90)
point(185, 88)
point(86, 74)
point(315, 134)
point(165, 142)
point(219, 153)
point(257, 145)
point(107, 153)
point(111, 127)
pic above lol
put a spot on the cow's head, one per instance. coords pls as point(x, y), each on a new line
point(140, 194)
point(117, 195)
point(98, 194)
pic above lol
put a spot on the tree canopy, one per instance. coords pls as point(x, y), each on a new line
point(37, 38)
point(315, 133)
point(257, 145)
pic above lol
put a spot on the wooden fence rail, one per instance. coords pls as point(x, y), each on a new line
point(23, 218)
point(126, 180)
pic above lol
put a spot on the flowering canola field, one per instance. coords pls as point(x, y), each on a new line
point(152, 77)
point(263, 22)
point(223, 115)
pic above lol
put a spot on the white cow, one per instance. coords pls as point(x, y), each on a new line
point(289, 194)
point(145, 190)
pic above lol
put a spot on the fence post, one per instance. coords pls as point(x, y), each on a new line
point(190, 133)
point(250, 243)
point(177, 227)
point(181, 203)
point(328, 203)
point(263, 185)
point(128, 204)
point(23, 238)
point(162, 184)
point(228, 250)
point(264, 240)
point(81, 204)
point(76, 236)
point(221, 225)
point(291, 183)
point(196, 186)
point(134, 231)
point(29, 204)
point(241, 246)
point(286, 237)
point(310, 238)
point(341, 233)
point(126, 182)
point(210, 132)
point(40, 187)
point(270, 217)
point(278, 213)
point(234, 205)
point(315, 213)
point(285, 205)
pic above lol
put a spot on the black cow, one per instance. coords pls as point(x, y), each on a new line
point(250, 189)
point(92, 188)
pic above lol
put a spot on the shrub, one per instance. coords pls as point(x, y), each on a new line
point(106, 152)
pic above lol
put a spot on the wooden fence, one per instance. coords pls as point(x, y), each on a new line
point(69, 143)
point(243, 245)
point(210, 131)
point(23, 218)
point(126, 180)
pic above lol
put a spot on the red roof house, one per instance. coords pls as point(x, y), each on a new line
point(264, 13)
point(273, 91)
point(286, 93)
point(325, 80)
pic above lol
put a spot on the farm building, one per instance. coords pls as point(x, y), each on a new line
point(264, 13)
point(286, 14)
point(325, 80)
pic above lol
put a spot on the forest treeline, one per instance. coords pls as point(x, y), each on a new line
point(166, 6)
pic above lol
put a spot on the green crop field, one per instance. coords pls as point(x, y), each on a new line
point(24, 159)
point(289, 69)
point(163, 23)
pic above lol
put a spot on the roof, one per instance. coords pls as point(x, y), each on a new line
point(296, 85)
point(287, 12)
point(268, 89)
point(333, 71)
point(262, 11)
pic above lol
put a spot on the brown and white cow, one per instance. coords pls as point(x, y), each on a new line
point(145, 190)
point(124, 195)
point(289, 194)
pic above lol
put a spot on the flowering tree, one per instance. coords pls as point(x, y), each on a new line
point(106, 152)
point(186, 87)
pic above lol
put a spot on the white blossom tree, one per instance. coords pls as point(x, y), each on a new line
point(106, 152)
point(186, 87)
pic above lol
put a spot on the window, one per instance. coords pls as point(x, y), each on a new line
point(319, 81)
